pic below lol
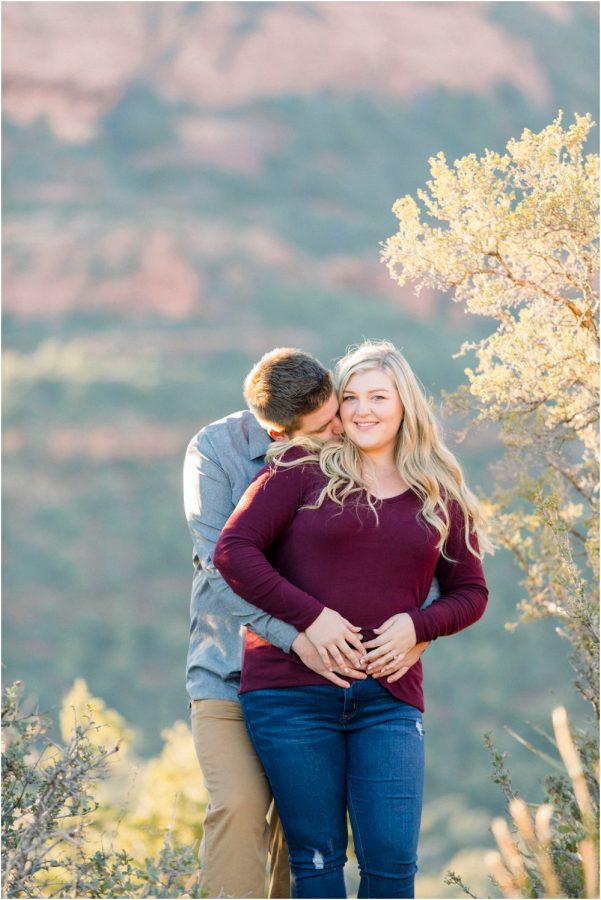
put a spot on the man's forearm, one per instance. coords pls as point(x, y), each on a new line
point(273, 630)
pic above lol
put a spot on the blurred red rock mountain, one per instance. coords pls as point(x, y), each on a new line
point(161, 156)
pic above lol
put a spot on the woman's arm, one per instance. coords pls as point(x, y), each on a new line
point(264, 512)
point(464, 593)
point(266, 509)
point(462, 601)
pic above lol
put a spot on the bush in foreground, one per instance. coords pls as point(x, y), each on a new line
point(51, 847)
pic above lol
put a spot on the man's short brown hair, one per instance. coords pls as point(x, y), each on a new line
point(285, 385)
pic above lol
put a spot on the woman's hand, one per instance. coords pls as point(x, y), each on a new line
point(332, 634)
point(398, 667)
point(395, 637)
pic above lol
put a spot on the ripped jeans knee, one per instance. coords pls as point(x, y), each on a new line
point(318, 871)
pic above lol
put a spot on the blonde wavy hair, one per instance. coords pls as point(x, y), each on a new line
point(422, 459)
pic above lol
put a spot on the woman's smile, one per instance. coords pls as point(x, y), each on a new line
point(371, 411)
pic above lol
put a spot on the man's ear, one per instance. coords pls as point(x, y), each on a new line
point(277, 435)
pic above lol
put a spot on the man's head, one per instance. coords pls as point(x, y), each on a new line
point(292, 394)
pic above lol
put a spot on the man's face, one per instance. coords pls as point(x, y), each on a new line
point(323, 424)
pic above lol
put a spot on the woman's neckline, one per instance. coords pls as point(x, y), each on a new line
point(375, 477)
point(394, 496)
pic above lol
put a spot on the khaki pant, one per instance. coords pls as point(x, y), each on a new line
point(238, 831)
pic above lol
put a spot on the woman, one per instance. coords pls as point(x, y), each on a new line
point(342, 542)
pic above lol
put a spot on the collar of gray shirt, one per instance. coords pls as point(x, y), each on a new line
point(258, 439)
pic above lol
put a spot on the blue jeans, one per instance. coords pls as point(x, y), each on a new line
point(326, 749)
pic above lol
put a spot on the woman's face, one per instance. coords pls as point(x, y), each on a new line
point(371, 412)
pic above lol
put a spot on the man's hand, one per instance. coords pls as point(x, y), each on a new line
point(398, 667)
point(310, 656)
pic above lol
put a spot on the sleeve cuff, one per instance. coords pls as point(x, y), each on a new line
point(281, 635)
point(419, 624)
point(308, 616)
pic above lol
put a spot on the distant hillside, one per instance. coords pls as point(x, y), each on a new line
point(219, 56)
point(187, 185)
point(149, 144)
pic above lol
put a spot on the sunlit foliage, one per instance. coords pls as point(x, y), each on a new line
point(514, 237)
point(85, 818)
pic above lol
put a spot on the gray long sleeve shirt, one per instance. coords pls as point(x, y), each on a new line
point(221, 461)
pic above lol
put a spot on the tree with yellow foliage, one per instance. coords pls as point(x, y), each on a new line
point(514, 237)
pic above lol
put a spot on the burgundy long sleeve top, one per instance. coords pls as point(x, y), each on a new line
point(292, 562)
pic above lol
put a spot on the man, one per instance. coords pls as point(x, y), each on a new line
point(289, 394)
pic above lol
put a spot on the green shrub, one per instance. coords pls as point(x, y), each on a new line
point(48, 808)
